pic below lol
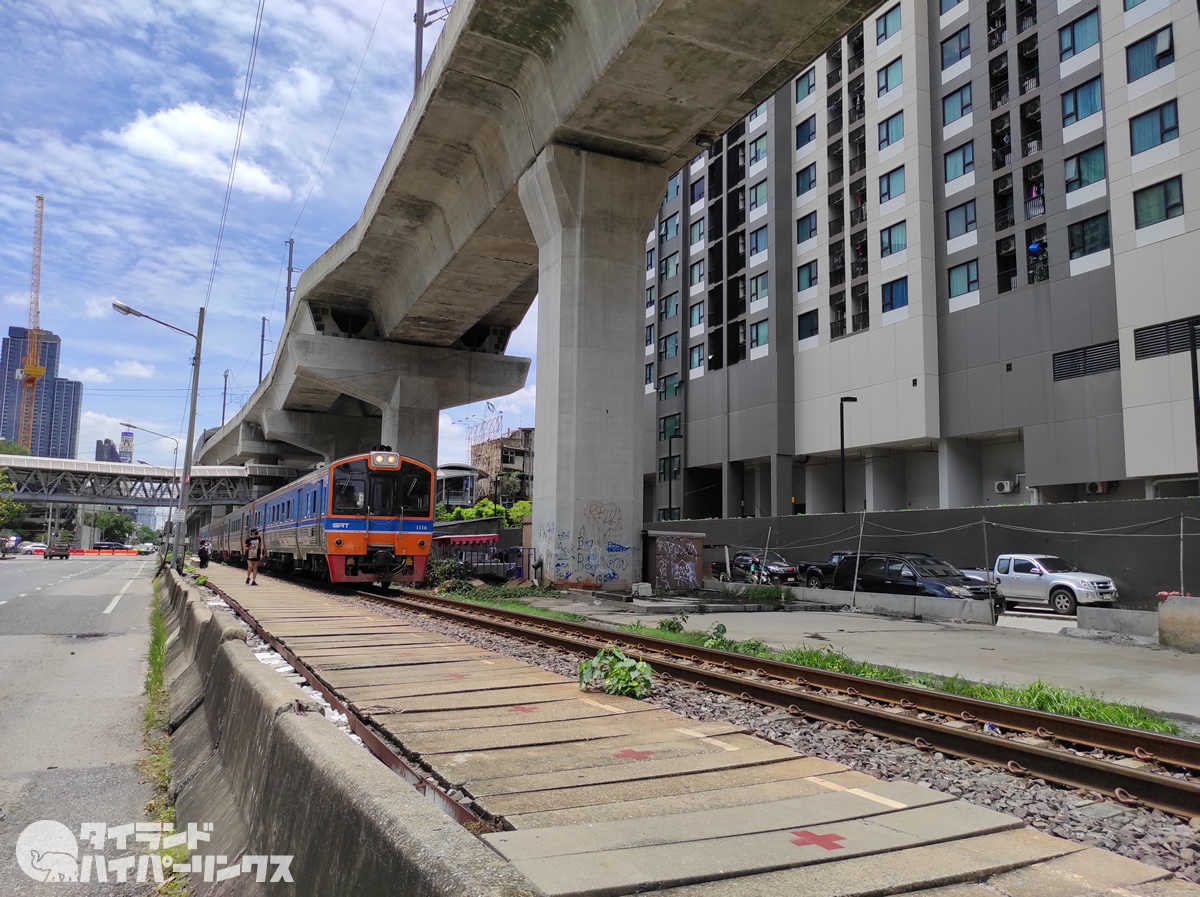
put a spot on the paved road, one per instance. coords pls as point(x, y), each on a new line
point(72, 669)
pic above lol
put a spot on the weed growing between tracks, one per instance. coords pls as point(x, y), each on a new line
point(157, 763)
point(1037, 696)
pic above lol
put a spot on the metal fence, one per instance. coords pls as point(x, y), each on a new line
point(487, 562)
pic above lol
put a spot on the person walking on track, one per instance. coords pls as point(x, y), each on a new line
point(253, 547)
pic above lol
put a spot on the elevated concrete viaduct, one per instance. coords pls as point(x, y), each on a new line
point(533, 158)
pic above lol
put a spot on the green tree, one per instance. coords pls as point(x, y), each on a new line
point(507, 483)
point(10, 511)
point(143, 533)
point(518, 512)
point(113, 525)
point(11, 447)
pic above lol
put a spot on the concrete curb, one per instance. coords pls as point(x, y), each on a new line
point(257, 759)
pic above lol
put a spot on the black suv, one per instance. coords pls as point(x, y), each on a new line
point(911, 573)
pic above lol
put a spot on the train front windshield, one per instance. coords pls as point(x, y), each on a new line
point(382, 493)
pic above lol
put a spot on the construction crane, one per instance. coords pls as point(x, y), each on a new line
point(32, 368)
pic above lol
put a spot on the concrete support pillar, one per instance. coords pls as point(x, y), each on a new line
point(885, 483)
point(331, 436)
point(412, 432)
point(959, 472)
point(823, 488)
point(732, 488)
point(781, 485)
point(589, 214)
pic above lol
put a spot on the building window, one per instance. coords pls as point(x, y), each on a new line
point(891, 130)
point(1079, 35)
point(759, 110)
point(960, 220)
point(1152, 128)
point(1088, 360)
point(695, 357)
point(758, 334)
point(957, 46)
point(669, 307)
point(806, 227)
point(1086, 168)
point(948, 5)
point(806, 131)
point(891, 184)
point(758, 287)
point(957, 104)
point(960, 161)
point(806, 179)
point(806, 276)
point(667, 468)
point(697, 190)
point(1088, 236)
point(649, 259)
point(887, 24)
point(1149, 54)
point(649, 373)
point(758, 149)
point(696, 273)
point(651, 296)
point(1130, 4)
point(670, 227)
point(696, 231)
point(668, 387)
point(758, 195)
point(807, 324)
point(1158, 203)
point(649, 334)
point(670, 265)
point(1084, 100)
point(889, 77)
point(696, 314)
point(673, 186)
point(895, 294)
point(964, 278)
point(758, 240)
point(893, 239)
point(668, 426)
point(806, 84)
point(668, 346)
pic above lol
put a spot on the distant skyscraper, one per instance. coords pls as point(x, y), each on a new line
point(106, 450)
point(57, 407)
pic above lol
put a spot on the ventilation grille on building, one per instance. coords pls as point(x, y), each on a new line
point(1088, 360)
point(1163, 339)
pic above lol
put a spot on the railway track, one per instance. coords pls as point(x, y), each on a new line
point(1135, 767)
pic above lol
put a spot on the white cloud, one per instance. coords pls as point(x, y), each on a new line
point(97, 307)
point(199, 140)
point(452, 441)
point(88, 375)
point(93, 427)
point(16, 299)
point(133, 369)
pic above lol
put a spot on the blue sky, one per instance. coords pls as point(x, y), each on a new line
point(123, 114)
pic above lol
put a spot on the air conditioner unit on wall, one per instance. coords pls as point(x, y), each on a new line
point(1100, 488)
point(1003, 487)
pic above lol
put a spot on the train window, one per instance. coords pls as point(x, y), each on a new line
point(413, 488)
point(350, 488)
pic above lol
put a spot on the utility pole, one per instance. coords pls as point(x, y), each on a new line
point(262, 344)
point(287, 302)
point(419, 49)
point(224, 393)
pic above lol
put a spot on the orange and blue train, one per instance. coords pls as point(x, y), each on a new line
point(362, 519)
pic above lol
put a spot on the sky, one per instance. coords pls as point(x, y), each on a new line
point(124, 114)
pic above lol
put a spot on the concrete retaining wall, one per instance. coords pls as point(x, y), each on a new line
point(1179, 624)
point(1142, 623)
point(926, 607)
point(255, 756)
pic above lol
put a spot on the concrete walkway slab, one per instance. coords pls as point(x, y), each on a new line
point(516, 714)
point(472, 700)
point(381, 690)
point(457, 670)
point(1088, 871)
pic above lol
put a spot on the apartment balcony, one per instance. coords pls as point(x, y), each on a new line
point(835, 175)
point(1031, 144)
point(1035, 207)
point(858, 268)
point(837, 327)
point(835, 73)
point(860, 320)
point(858, 108)
point(999, 96)
point(997, 36)
point(1039, 269)
point(858, 163)
point(1006, 280)
point(1001, 158)
point(835, 125)
point(836, 226)
point(855, 62)
point(858, 216)
point(1005, 218)
point(837, 276)
point(1030, 82)
point(1026, 21)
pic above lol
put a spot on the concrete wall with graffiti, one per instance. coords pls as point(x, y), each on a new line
point(590, 554)
point(676, 560)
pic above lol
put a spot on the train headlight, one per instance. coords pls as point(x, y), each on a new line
point(337, 541)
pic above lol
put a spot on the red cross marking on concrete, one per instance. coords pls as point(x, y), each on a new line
point(521, 708)
point(631, 754)
point(456, 675)
point(808, 839)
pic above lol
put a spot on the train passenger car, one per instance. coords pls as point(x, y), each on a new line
point(365, 518)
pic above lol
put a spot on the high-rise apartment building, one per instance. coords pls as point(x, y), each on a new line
point(967, 219)
point(57, 407)
point(107, 451)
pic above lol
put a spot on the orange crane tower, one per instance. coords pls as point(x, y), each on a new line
point(33, 369)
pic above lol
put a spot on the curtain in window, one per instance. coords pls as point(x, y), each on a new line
point(1088, 99)
point(1140, 58)
point(891, 130)
point(1087, 32)
point(958, 280)
point(956, 163)
point(895, 294)
point(1149, 206)
point(1091, 166)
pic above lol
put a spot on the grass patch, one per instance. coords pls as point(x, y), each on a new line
point(1036, 696)
point(515, 599)
point(156, 765)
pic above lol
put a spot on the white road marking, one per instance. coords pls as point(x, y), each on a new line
point(23, 594)
point(3, 602)
point(113, 604)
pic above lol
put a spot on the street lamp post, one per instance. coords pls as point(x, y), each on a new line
point(174, 459)
point(842, 427)
point(185, 484)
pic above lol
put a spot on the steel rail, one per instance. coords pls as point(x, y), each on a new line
point(414, 775)
point(774, 687)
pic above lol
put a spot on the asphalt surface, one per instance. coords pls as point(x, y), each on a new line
point(72, 670)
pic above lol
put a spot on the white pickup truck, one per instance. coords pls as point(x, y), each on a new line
point(1048, 580)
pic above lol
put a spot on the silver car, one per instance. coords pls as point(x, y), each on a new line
point(1050, 581)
